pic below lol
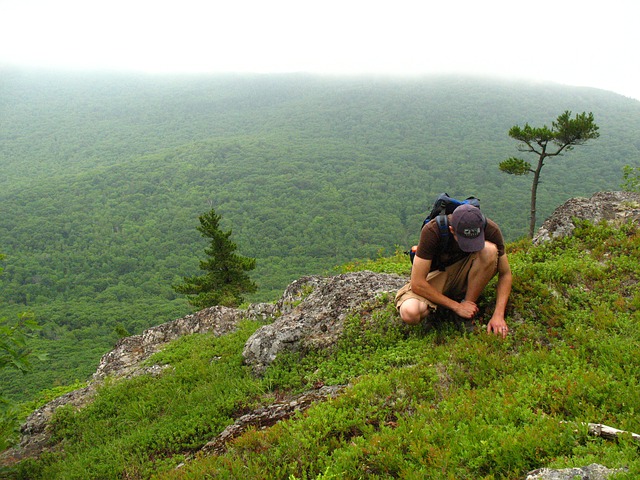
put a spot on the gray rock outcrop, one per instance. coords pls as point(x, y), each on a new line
point(270, 415)
point(127, 356)
point(609, 206)
point(590, 472)
point(317, 310)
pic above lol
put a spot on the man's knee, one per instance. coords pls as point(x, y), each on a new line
point(412, 311)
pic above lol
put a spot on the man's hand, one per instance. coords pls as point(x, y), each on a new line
point(498, 326)
point(466, 309)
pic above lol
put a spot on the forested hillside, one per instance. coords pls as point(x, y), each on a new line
point(103, 178)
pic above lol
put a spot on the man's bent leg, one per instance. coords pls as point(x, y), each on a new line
point(412, 307)
point(412, 311)
point(484, 267)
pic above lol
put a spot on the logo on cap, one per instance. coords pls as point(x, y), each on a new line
point(471, 232)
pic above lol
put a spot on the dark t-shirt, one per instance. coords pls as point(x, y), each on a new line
point(430, 238)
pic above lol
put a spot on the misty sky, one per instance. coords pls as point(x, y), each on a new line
point(571, 42)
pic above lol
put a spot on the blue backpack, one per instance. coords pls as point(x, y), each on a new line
point(443, 206)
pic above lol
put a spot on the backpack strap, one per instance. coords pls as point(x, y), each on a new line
point(443, 227)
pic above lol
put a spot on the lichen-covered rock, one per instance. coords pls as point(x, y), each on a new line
point(130, 352)
point(266, 416)
point(610, 206)
point(590, 472)
point(317, 308)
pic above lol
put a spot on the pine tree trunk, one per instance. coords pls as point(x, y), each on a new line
point(534, 196)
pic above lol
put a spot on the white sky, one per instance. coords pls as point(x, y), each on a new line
point(574, 42)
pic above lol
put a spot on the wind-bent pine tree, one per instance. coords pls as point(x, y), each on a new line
point(225, 281)
point(564, 134)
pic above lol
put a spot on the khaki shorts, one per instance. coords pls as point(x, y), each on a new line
point(455, 284)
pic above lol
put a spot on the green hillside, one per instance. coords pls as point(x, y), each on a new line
point(439, 403)
point(103, 178)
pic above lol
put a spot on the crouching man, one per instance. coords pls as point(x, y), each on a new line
point(452, 273)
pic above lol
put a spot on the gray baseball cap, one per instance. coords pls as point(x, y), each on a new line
point(468, 223)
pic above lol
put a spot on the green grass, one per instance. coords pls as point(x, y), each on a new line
point(436, 403)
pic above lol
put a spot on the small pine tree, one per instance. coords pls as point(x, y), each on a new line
point(226, 280)
point(545, 142)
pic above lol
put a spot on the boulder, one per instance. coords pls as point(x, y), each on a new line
point(590, 472)
point(314, 314)
point(608, 206)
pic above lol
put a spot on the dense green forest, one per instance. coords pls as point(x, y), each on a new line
point(104, 177)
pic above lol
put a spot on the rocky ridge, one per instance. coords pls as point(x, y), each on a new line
point(310, 313)
point(616, 207)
